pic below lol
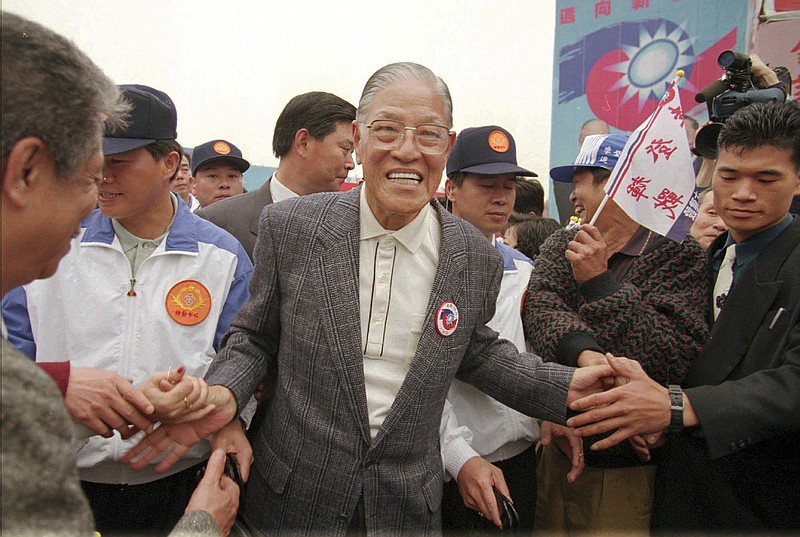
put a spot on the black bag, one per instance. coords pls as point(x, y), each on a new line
point(508, 517)
point(241, 527)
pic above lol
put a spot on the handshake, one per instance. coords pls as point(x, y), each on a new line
point(175, 410)
point(104, 402)
point(618, 397)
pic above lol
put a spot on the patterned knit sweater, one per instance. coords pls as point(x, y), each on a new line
point(656, 314)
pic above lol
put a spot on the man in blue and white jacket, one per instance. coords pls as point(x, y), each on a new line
point(485, 444)
point(146, 287)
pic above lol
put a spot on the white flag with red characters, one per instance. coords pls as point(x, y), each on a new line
point(653, 181)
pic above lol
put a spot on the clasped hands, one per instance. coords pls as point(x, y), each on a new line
point(103, 401)
point(618, 397)
point(187, 412)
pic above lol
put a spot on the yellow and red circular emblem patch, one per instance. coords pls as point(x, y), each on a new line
point(222, 148)
point(498, 141)
point(188, 302)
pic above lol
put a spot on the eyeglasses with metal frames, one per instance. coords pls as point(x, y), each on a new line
point(389, 134)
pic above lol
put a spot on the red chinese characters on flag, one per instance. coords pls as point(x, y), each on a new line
point(677, 113)
point(653, 181)
point(638, 187)
point(668, 201)
point(639, 4)
point(661, 147)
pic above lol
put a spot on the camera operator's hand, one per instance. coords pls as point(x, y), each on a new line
point(762, 74)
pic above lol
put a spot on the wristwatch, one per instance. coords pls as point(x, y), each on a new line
point(676, 409)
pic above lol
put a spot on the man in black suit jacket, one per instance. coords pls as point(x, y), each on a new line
point(732, 455)
point(314, 141)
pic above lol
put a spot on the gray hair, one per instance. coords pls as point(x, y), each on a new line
point(389, 74)
point(54, 92)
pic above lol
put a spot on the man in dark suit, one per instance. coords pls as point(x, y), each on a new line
point(367, 323)
point(314, 141)
point(732, 455)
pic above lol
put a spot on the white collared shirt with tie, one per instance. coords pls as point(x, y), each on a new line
point(724, 279)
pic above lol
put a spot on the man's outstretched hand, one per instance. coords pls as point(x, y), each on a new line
point(587, 381)
point(173, 440)
point(104, 401)
point(640, 407)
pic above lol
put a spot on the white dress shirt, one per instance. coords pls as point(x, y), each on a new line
point(396, 271)
point(474, 424)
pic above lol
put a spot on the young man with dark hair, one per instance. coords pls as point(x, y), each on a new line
point(314, 141)
point(486, 445)
point(146, 287)
point(731, 462)
point(529, 198)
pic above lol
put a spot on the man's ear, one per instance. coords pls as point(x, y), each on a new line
point(357, 141)
point(171, 163)
point(449, 189)
point(301, 140)
point(24, 168)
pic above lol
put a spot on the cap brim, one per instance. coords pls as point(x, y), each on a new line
point(114, 146)
point(497, 168)
point(239, 162)
point(563, 174)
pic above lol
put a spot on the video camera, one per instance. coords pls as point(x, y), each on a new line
point(735, 90)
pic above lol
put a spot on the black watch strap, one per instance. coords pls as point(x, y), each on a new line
point(676, 409)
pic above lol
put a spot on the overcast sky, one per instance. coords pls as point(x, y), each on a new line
point(231, 66)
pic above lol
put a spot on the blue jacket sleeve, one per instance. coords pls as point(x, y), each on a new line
point(18, 324)
point(237, 296)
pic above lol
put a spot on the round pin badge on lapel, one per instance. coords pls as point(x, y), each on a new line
point(446, 319)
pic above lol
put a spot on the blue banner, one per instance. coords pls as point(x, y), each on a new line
point(615, 58)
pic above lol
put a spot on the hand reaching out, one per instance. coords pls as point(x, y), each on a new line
point(104, 401)
point(588, 380)
point(232, 439)
point(639, 407)
point(569, 444)
point(173, 440)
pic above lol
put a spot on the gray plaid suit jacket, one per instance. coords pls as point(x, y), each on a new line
point(314, 456)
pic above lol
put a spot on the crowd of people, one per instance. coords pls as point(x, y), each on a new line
point(182, 357)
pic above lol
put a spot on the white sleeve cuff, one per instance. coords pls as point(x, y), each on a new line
point(455, 454)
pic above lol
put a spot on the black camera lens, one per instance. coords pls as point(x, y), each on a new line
point(730, 59)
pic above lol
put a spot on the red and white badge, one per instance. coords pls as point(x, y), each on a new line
point(446, 319)
point(188, 302)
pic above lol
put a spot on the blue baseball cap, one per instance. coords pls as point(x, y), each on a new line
point(488, 150)
point(153, 117)
point(217, 150)
point(597, 151)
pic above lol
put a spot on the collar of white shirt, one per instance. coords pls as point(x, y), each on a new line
point(410, 236)
point(278, 191)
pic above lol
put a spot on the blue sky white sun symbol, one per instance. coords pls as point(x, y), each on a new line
point(653, 63)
